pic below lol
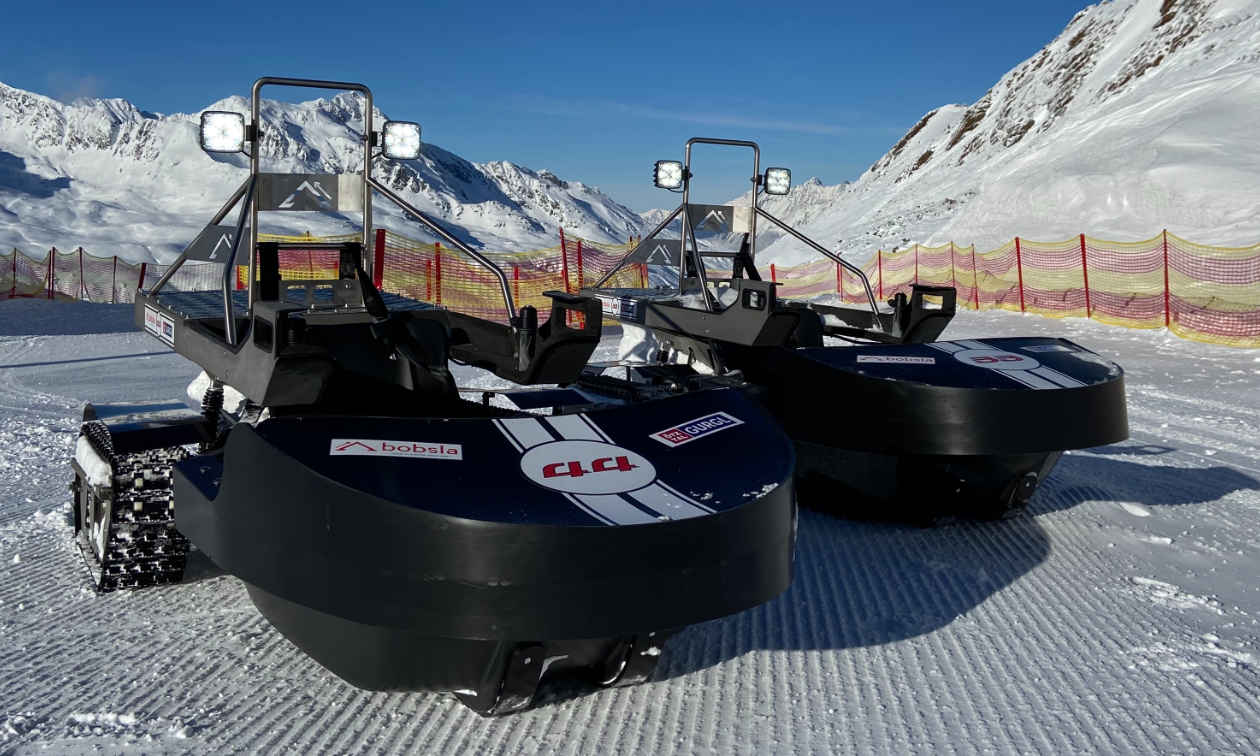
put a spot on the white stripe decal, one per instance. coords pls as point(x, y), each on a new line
point(593, 513)
point(946, 346)
point(682, 496)
point(658, 499)
point(508, 435)
point(526, 431)
point(1027, 378)
point(571, 428)
point(1054, 376)
point(595, 428)
point(616, 509)
point(974, 345)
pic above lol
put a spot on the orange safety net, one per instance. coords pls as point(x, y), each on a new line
point(1199, 292)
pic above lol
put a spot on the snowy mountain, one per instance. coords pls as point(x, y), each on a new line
point(1140, 116)
point(116, 179)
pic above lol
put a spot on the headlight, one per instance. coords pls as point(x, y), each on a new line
point(400, 140)
point(668, 174)
point(222, 132)
point(778, 180)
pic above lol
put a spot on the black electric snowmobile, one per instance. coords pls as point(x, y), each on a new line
point(887, 422)
point(405, 538)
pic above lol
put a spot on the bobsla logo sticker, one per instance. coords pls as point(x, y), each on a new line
point(693, 429)
point(369, 447)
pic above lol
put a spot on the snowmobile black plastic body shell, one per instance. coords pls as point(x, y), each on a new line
point(412, 554)
point(953, 427)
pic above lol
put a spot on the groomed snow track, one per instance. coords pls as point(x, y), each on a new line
point(1118, 616)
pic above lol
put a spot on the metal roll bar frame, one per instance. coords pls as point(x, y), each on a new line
point(697, 255)
point(249, 207)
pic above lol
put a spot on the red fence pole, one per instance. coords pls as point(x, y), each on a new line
point(840, 282)
point(437, 272)
point(82, 283)
point(916, 262)
point(953, 277)
point(516, 284)
point(774, 276)
point(378, 259)
point(579, 261)
point(1085, 272)
point(879, 262)
point(975, 277)
point(1019, 267)
point(564, 262)
point(1168, 309)
point(52, 273)
point(13, 292)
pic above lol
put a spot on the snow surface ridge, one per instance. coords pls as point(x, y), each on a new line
point(118, 180)
point(1138, 117)
point(1119, 615)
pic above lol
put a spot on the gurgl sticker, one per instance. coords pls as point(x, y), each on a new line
point(160, 325)
point(370, 447)
point(619, 307)
point(693, 429)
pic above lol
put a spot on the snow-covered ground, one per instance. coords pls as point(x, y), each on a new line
point(1118, 616)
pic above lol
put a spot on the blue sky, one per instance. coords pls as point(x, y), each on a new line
point(594, 92)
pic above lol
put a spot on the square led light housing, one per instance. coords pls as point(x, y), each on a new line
point(222, 132)
point(668, 174)
point(400, 140)
point(778, 181)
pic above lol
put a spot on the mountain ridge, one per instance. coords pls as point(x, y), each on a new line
point(1133, 119)
point(115, 179)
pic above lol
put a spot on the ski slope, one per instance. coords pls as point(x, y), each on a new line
point(1118, 616)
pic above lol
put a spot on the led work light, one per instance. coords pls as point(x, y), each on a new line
point(400, 140)
point(778, 180)
point(668, 174)
point(222, 132)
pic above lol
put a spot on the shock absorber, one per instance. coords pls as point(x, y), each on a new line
point(212, 408)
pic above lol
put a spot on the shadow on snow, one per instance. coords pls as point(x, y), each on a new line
point(864, 584)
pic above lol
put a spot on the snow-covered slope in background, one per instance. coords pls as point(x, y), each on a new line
point(115, 179)
point(1142, 115)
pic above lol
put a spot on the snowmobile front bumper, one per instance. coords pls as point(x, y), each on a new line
point(411, 554)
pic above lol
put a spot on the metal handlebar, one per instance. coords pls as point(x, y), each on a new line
point(229, 265)
point(432, 225)
point(866, 282)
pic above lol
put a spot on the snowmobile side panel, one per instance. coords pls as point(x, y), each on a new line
point(982, 397)
point(484, 546)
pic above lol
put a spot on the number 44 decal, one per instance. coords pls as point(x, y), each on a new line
point(575, 469)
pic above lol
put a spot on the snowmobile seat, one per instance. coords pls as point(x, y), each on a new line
point(755, 318)
point(917, 319)
point(923, 318)
point(809, 331)
point(553, 352)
